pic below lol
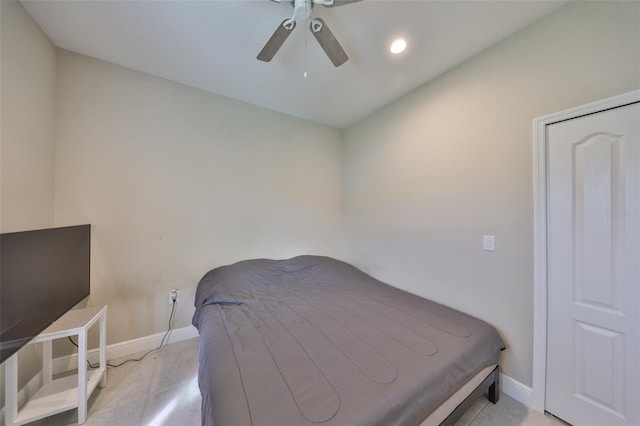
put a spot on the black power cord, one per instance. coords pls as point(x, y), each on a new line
point(173, 309)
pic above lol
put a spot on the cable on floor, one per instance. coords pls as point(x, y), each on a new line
point(173, 308)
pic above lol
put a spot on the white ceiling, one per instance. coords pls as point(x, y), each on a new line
point(212, 45)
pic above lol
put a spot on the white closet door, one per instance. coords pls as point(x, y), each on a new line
point(593, 357)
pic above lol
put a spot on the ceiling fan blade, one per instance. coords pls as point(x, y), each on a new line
point(277, 39)
point(337, 3)
point(328, 42)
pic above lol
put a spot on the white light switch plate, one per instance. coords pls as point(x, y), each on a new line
point(488, 243)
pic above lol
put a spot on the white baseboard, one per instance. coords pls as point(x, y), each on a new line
point(122, 349)
point(516, 390)
point(117, 350)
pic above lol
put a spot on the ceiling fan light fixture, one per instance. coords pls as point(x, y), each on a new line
point(398, 46)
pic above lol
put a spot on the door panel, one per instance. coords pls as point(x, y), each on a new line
point(600, 367)
point(597, 174)
point(593, 278)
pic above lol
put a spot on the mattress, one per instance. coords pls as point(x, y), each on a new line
point(314, 340)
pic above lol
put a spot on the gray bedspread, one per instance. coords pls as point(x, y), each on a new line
point(314, 340)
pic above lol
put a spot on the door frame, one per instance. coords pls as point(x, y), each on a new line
point(540, 124)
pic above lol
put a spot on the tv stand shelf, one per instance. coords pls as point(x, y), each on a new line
point(66, 393)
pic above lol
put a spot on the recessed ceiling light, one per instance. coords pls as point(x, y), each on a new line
point(398, 45)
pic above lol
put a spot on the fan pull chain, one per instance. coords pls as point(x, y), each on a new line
point(306, 24)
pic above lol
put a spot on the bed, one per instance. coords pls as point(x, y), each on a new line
point(313, 340)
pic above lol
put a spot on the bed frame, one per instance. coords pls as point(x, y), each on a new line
point(490, 385)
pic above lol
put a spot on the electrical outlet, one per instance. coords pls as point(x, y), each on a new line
point(174, 296)
point(488, 243)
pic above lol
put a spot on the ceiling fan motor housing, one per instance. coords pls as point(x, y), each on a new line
point(302, 8)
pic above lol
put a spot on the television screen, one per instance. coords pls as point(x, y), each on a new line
point(43, 274)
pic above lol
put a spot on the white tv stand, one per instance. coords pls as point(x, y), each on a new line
point(66, 393)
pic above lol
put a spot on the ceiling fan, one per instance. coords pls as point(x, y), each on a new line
point(319, 29)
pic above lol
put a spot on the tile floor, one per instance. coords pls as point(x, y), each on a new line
point(507, 412)
point(156, 392)
point(162, 389)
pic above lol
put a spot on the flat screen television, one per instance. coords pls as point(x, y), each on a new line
point(43, 274)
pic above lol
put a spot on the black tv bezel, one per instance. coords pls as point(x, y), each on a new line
point(10, 343)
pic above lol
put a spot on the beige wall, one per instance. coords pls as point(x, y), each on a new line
point(428, 175)
point(27, 85)
point(176, 181)
point(27, 88)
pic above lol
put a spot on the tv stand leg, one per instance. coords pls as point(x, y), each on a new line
point(82, 377)
point(47, 356)
point(11, 389)
point(103, 349)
